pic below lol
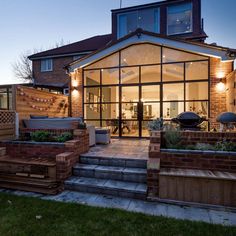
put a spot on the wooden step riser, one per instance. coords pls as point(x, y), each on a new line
point(28, 170)
point(52, 190)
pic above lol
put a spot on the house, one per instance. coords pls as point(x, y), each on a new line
point(48, 66)
point(154, 64)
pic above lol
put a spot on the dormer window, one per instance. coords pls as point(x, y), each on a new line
point(147, 19)
point(179, 19)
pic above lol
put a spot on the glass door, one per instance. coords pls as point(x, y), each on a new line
point(129, 122)
point(139, 105)
point(150, 98)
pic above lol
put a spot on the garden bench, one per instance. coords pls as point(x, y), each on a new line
point(200, 186)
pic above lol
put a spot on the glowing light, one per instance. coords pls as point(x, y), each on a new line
point(220, 87)
point(74, 83)
point(220, 75)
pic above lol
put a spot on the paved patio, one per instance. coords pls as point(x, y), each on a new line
point(122, 148)
point(213, 216)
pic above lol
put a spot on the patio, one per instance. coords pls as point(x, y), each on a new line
point(122, 148)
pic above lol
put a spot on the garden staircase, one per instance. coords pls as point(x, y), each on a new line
point(110, 176)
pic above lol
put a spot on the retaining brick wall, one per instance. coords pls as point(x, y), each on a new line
point(187, 159)
point(65, 154)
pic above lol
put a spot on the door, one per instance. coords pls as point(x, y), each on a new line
point(139, 105)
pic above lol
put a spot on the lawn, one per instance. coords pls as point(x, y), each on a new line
point(18, 217)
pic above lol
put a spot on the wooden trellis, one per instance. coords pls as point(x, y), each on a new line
point(7, 125)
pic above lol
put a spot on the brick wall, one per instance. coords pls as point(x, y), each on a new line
point(56, 77)
point(187, 159)
point(77, 94)
point(218, 70)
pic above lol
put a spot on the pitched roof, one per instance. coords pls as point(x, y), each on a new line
point(83, 46)
point(209, 48)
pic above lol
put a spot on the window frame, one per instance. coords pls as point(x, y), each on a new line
point(46, 69)
point(167, 22)
point(161, 82)
point(156, 25)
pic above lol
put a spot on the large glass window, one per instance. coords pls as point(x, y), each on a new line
point(110, 94)
point(129, 75)
point(111, 61)
point(141, 54)
point(173, 72)
point(197, 91)
point(92, 77)
point(197, 70)
point(147, 19)
point(172, 55)
point(173, 92)
point(179, 19)
point(142, 87)
point(150, 74)
point(110, 76)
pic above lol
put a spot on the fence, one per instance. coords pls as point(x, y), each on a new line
point(8, 125)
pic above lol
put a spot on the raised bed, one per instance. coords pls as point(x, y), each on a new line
point(40, 167)
point(207, 177)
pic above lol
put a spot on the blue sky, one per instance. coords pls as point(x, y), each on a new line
point(39, 24)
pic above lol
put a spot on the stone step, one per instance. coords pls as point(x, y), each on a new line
point(106, 186)
point(138, 175)
point(109, 161)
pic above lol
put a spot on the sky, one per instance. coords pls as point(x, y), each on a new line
point(26, 25)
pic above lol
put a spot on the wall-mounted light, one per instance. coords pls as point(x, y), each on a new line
point(75, 87)
point(221, 86)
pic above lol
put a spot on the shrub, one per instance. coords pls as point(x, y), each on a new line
point(41, 136)
point(156, 124)
point(64, 137)
point(204, 146)
point(172, 137)
point(225, 145)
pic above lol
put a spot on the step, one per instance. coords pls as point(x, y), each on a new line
point(106, 186)
point(110, 161)
point(138, 175)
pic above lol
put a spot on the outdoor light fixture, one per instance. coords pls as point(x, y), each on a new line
point(76, 87)
point(220, 86)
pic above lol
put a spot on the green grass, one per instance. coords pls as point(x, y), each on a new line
point(18, 217)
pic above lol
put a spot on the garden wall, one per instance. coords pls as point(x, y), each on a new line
point(221, 164)
point(40, 167)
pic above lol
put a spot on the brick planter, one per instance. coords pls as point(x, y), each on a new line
point(187, 159)
point(32, 155)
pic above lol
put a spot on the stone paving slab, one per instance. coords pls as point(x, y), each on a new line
point(193, 213)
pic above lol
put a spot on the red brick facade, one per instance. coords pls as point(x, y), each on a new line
point(57, 77)
point(218, 70)
point(77, 93)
